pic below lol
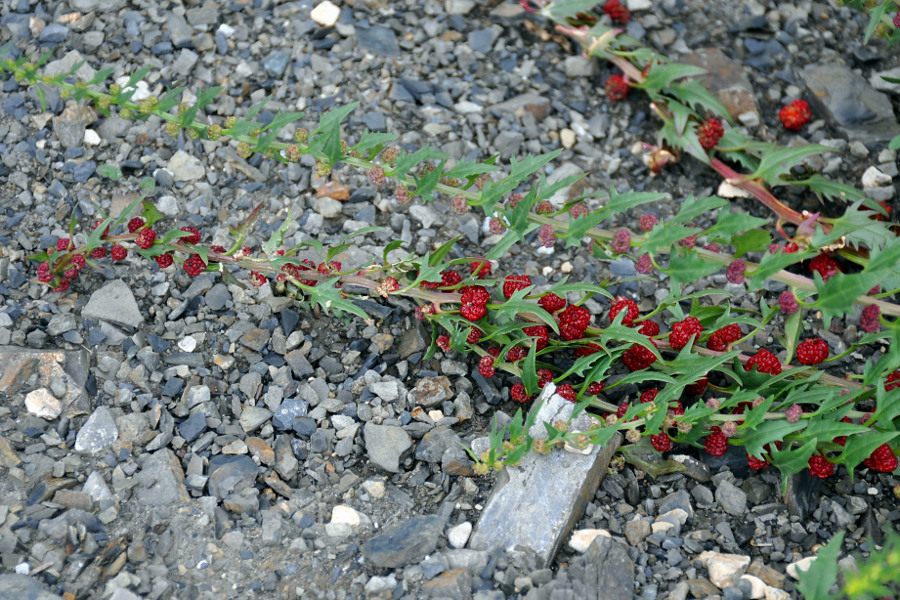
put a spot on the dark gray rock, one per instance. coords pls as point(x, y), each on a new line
point(731, 498)
point(850, 104)
point(191, 428)
point(433, 444)
point(230, 472)
point(378, 40)
point(405, 543)
point(23, 587)
point(161, 481)
point(680, 499)
point(290, 409)
point(385, 445)
point(98, 432)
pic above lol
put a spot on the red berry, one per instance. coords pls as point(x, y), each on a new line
point(617, 13)
point(629, 306)
point(812, 351)
point(720, 339)
point(145, 238)
point(676, 410)
point(649, 328)
point(494, 351)
point(623, 408)
point(135, 224)
point(326, 268)
point(596, 387)
point(649, 395)
point(71, 273)
point(661, 442)
point(709, 133)
point(449, 278)
point(825, 265)
point(842, 439)
point(587, 350)
point(540, 334)
point(164, 260)
point(194, 238)
point(688, 242)
point(648, 221)
point(473, 303)
point(221, 250)
point(682, 332)
point(638, 357)
point(545, 376)
point(62, 286)
point(892, 381)
point(567, 391)
point(765, 362)
point(795, 115)
point(518, 393)
point(516, 353)
point(62, 244)
point(820, 467)
point(787, 301)
point(98, 252)
point(735, 272)
point(119, 252)
point(443, 342)
point(698, 387)
point(882, 460)
point(44, 274)
point(194, 265)
point(757, 464)
point(486, 366)
point(480, 268)
point(716, 443)
point(790, 248)
point(514, 283)
point(616, 87)
point(573, 321)
point(869, 320)
point(551, 303)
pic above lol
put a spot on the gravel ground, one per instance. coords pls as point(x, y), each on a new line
point(168, 437)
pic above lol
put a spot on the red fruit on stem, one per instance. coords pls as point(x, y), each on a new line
point(474, 335)
point(638, 357)
point(698, 387)
point(62, 244)
point(649, 328)
point(514, 283)
point(545, 376)
point(649, 395)
point(757, 464)
point(145, 238)
point(551, 303)
point(795, 115)
point(892, 380)
point(164, 260)
point(518, 393)
point(869, 320)
point(540, 334)
point(480, 268)
point(587, 350)
point(473, 303)
point(486, 366)
point(882, 460)
point(716, 443)
point(516, 353)
point(119, 252)
point(682, 332)
point(788, 302)
point(617, 12)
point(443, 342)
point(596, 387)
point(765, 362)
point(573, 321)
point(647, 222)
point(630, 307)
point(194, 238)
point(720, 339)
point(812, 351)
point(820, 467)
point(709, 133)
point(616, 87)
point(194, 265)
point(135, 224)
point(661, 442)
point(567, 391)
point(825, 265)
point(623, 408)
point(98, 252)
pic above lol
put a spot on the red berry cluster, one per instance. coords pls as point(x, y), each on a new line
point(795, 115)
point(765, 362)
point(616, 87)
point(514, 283)
point(812, 351)
point(473, 302)
point(682, 332)
point(720, 338)
point(709, 133)
point(629, 306)
point(617, 12)
point(825, 265)
point(882, 459)
point(573, 321)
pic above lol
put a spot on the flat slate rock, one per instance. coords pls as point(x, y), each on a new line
point(52, 369)
point(114, 303)
point(850, 104)
point(535, 505)
point(23, 587)
point(405, 543)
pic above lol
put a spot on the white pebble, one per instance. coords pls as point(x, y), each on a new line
point(873, 178)
point(325, 14)
point(581, 540)
point(459, 535)
point(188, 344)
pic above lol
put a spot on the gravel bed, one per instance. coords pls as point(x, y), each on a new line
point(171, 437)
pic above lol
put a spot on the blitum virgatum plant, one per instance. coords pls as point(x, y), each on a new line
point(698, 388)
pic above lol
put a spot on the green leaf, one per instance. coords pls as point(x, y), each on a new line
point(110, 172)
point(887, 407)
point(730, 223)
point(837, 295)
point(464, 169)
point(691, 208)
point(329, 298)
point(529, 371)
point(392, 245)
point(427, 182)
point(767, 432)
point(579, 227)
point(858, 227)
point(137, 76)
point(326, 138)
point(663, 236)
point(240, 232)
point(437, 257)
point(790, 460)
point(875, 15)
point(662, 76)
point(560, 10)
point(860, 447)
point(816, 582)
point(777, 161)
point(894, 143)
point(500, 248)
point(148, 184)
point(772, 263)
point(791, 335)
point(697, 95)
point(373, 139)
point(406, 162)
point(686, 266)
point(831, 189)
point(755, 240)
point(277, 238)
point(100, 76)
point(171, 98)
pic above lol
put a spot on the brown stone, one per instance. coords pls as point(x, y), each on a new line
point(726, 79)
point(261, 449)
point(703, 588)
point(335, 190)
point(767, 574)
point(72, 499)
point(8, 456)
point(23, 370)
point(431, 391)
point(456, 584)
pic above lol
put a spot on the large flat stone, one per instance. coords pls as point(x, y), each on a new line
point(23, 370)
point(535, 505)
point(115, 303)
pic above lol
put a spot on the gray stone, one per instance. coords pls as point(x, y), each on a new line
point(327, 207)
point(22, 368)
point(538, 106)
point(726, 78)
point(535, 505)
point(458, 7)
point(54, 33)
point(507, 143)
point(850, 104)
point(161, 480)
point(69, 132)
point(731, 498)
point(272, 527)
point(430, 392)
point(23, 587)
point(98, 432)
point(185, 62)
point(405, 543)
point(115, 303)
point(481, 40)
point(185, 167)
point(840, 516)
point(680, 499)
point(636, 531)
point(702, 495)
point(378, 40)
point(191, 428)
point(87, 6)
point(276, 62)
point(385, 445)
point(65, 65)
point(230, 473)
point(218, 297)
point(290, 409)
point(576, 66)
point(179, 31)
point(433, 444)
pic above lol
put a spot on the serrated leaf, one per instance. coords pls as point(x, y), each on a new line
point(559, 10)
point(837, 295)
point(326, 138)
point(756, 415)
point(329, 298)
point(860, 447)
point(730, 223)
point(437, 257)
point(464, 169)
point(171, 98)
point(792, 460)
point(887, 407)
point(137, 76)
point(110, 172)
point(427, 182)
point(681, 116)
point(767, 432)
point(406, 162)
point(579, 227)
point(691, 208)
point(277, 238)
point(662, 76)
point(815, 583)
point(858, 227)
point(100, 76)
point(831, 189)
point(686, 266)
point(663, 236)
point(772, 263)
point(776, 161)
point(875, 15)
point(755, 240)
point(372, 139)
point(697, 95)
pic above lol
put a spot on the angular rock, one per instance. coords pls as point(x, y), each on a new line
point(49, 369)
point(535, 505)
point(230, 473)
point(114, 303)
point(23, 587)
point(161, 481)
point(538, 106)
point(431, 391)
point(185, 167)
point(405, 543)
point(850, 104)
point(98, 432)
point(731, 498)
point(385, 445)
point(42, 403)
point(378, 40)
point(723, 567)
